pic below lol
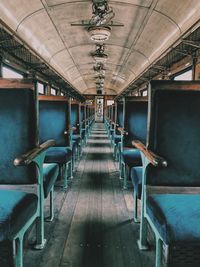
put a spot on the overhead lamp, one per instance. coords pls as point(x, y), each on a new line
point(100, 58)
point(98, 67)
point(102, 13)
point(101, 72)
point(99, 84)
point(99, 34)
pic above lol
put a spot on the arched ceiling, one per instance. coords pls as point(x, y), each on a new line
point(150, 27)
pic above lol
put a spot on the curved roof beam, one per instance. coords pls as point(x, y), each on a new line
point(29, 16)
point(110, 2)
point(38, 11)
point(169, 18)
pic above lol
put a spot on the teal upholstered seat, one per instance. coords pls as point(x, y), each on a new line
point(117, 138)
point(54, 124)
point(135, 128)
point(132, 157)
point(59, 155)
point(16, 209)
point(22, 157)
point(50, 172)
point(175, 216)
point(76, 138)
point(171, 167)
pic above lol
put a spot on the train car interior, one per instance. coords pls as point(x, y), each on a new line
point(99, 133)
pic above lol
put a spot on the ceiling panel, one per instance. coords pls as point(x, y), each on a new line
point(149, 28)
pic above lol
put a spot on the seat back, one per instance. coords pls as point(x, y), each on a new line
point(75, 116)
point(174, 132)
point(108, 112)
point(83, 115)
point(113, 112)
point(54, 119)
point(119, 114)
point(135, 119)
point(18, 129)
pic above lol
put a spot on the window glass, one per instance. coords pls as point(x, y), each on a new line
point(53, 91)
point(184, 76)
point(41, 88)
point(110, 102)
point(144, 93)
point(10, 73)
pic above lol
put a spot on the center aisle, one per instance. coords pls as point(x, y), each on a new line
point(94, 226)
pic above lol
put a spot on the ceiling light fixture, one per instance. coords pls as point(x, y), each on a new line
point(99, 34)
point(99, 55)
point(102, 13)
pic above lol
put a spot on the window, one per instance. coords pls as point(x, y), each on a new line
point(184, 76)
point(144, 93)
point(53, 91)
point(135, 94)
point(41, 89)
point(10, 73)
point(110, 102)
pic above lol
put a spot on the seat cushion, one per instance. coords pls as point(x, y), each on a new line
point(16, 208)
point(117, 139)
point(50, 172)
point(132, 157)
point(76, 138)
point(59, 155)
point(176, 216)
point(136, 178)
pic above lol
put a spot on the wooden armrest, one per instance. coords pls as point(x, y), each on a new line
point(152, 157)
point(28, 157)
point(122, 131)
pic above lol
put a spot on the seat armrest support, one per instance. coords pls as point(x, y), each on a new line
point(29, 157)
point(154, 159)
point(122, 131)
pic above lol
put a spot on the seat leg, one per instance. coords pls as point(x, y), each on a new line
point(135, 212)
point(60, 175)
point(158, 252)
point(117, 154)
point(19, 252)
point(65, 175)
point(114, 151)
point(51, 215)
point(70, 169)
point(79, 151)
point(125, 176)
point(40, 240)
point(73, 161)
point(142, 242)
point(121, 169)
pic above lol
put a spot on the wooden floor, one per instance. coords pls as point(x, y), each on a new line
point(93, 225)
